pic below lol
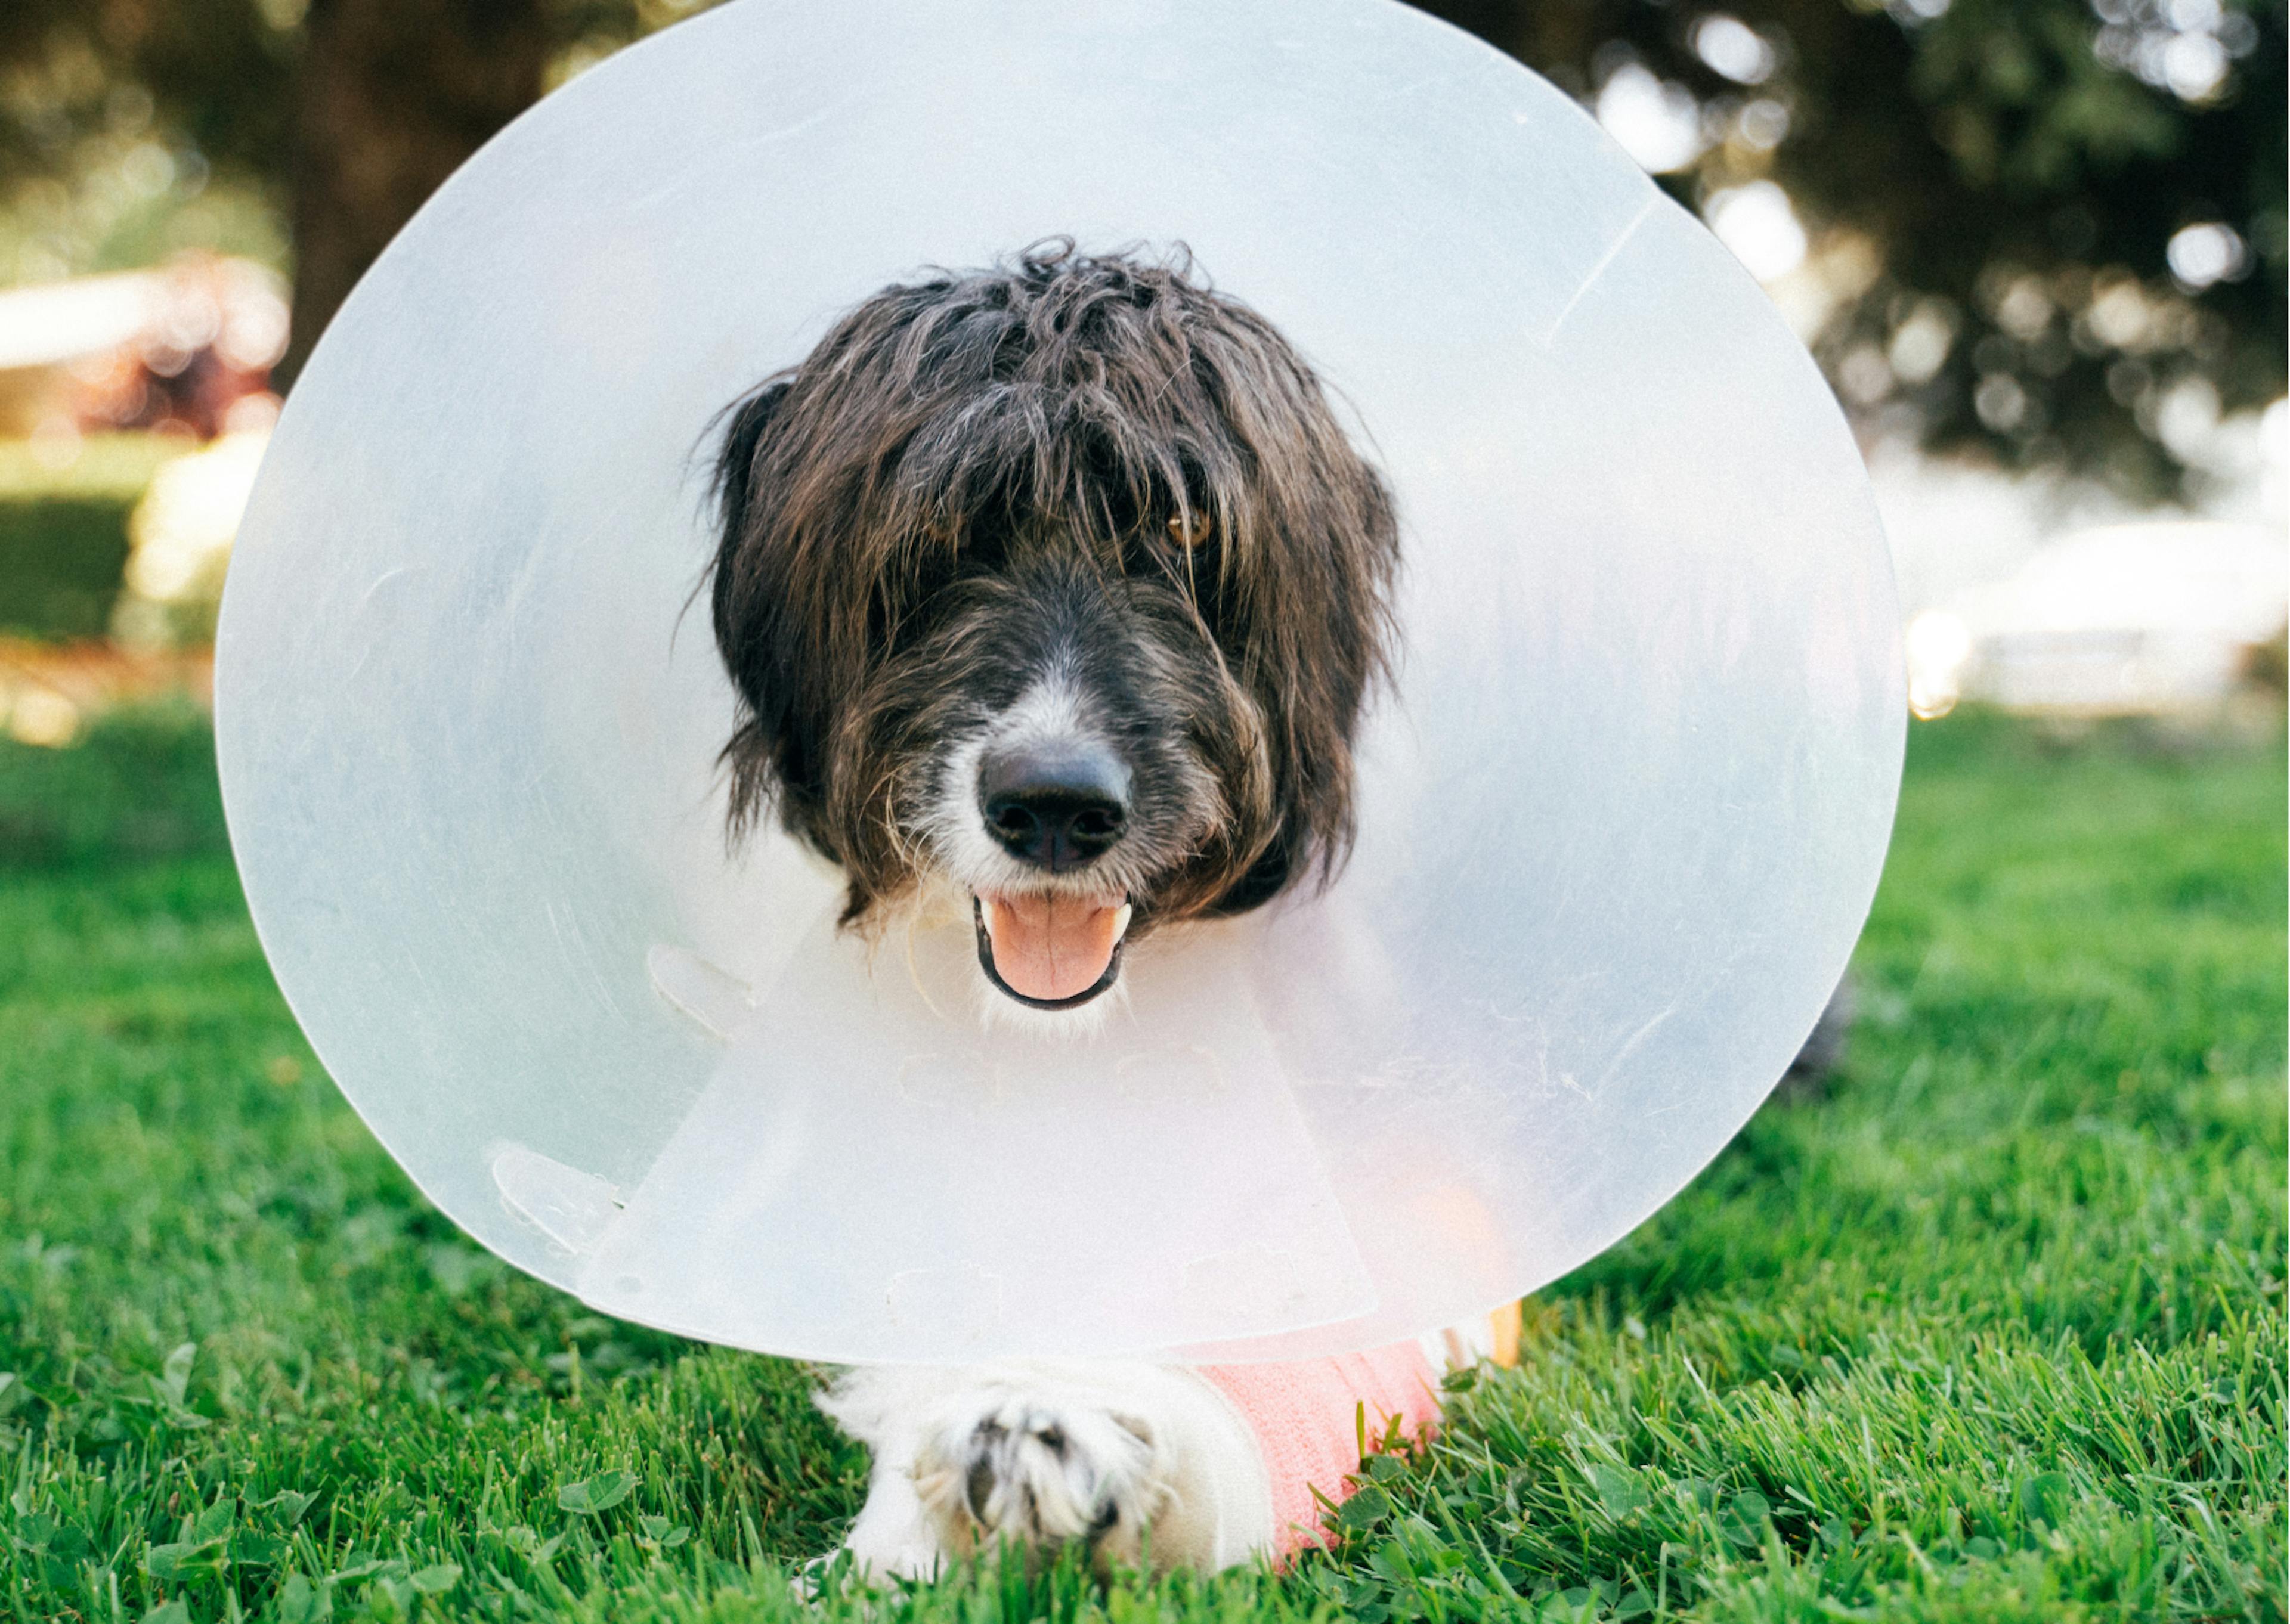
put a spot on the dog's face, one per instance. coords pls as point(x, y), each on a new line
point(1059, 587)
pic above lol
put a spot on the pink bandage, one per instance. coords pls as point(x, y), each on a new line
point(1305, 1415)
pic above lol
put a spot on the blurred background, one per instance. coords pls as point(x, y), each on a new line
point(2037, 245)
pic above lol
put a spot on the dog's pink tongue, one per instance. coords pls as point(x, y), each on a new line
point(1053, 947)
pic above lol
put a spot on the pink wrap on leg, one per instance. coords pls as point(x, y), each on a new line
point(1305, 1415)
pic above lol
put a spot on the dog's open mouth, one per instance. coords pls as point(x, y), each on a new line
point(1051, 952)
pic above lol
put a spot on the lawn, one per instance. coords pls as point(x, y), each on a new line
point(1996, 1330)
point(63, 532)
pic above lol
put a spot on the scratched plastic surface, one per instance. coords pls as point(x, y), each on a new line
point(1621, 818)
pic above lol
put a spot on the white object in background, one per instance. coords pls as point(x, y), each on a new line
point(2120, 619)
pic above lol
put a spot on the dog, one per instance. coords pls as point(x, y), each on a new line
point(1057, 587)
point(1052, 594)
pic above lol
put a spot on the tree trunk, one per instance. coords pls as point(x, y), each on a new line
point(392, 96)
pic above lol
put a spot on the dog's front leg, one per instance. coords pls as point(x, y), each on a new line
point(882, 1407)
point(1135, 1462)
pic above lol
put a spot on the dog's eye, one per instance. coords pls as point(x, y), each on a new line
point(1191, 528)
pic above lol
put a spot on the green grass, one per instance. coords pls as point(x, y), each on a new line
point(63, 530)
point(1995, 1331)
point(117, 467)
point(62, 559)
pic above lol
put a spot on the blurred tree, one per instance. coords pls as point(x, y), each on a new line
point(114, 117)
point(2051, 228)
point(390, 97)
point(217, 71)
point(346, 114)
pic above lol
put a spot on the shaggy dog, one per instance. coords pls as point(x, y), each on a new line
point(1057, 587)
point(1053, 592)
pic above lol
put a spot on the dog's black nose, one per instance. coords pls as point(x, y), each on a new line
point(1056, 809)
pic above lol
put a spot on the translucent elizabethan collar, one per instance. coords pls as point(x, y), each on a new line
point(1620, 820)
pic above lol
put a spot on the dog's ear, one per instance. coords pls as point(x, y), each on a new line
point(743, 438)
point(749, 609)
point(1338, 548)
point(1266, 878)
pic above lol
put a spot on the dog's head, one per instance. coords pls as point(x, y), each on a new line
point(1059, 585)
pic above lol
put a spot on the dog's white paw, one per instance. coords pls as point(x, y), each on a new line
point(1138, 1462)
point(1038, 1470)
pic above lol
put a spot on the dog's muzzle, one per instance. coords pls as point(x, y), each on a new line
point(1057, 806)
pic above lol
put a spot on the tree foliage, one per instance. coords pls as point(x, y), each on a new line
point(1994, 188)
point(2051, 228)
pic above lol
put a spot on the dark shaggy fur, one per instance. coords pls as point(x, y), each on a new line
point(1093, 465)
